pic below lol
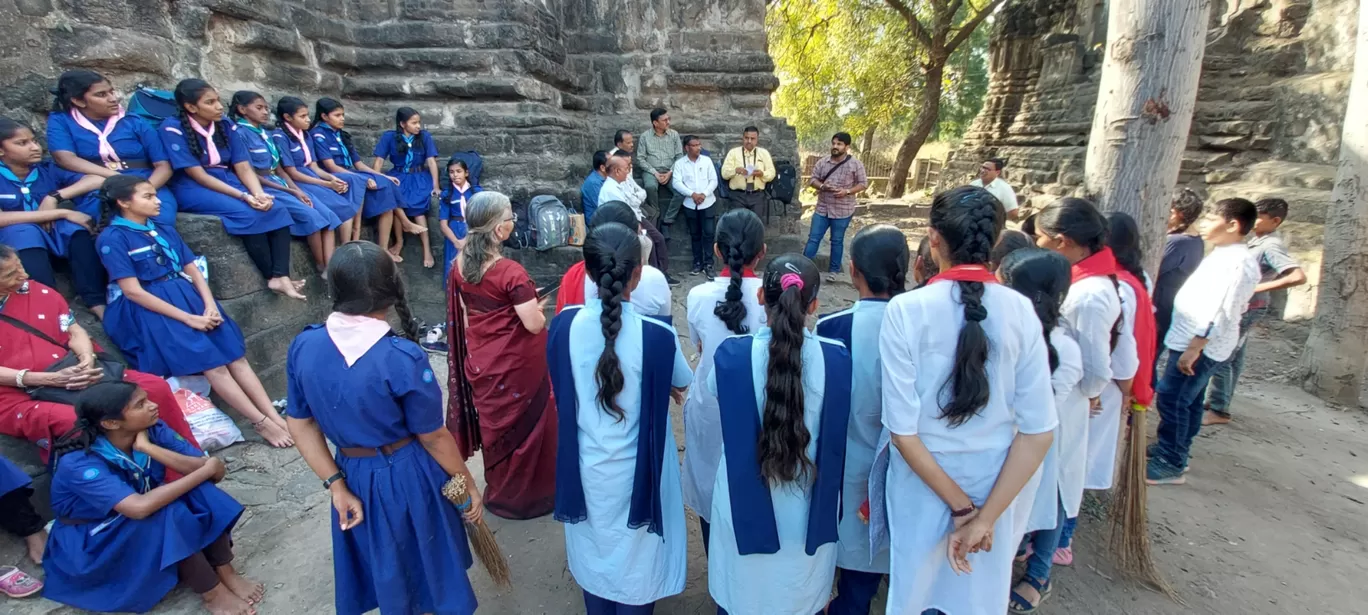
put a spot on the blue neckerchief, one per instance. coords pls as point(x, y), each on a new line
point(150, 229)
point(751, 506)
point(137, 468)
point(645, 509)
point(408, 155)
point(270, 147)
point(342, 145)
point(25, 185)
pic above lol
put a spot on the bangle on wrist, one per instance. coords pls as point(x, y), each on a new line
point(19, 378)
point(328, 482)
point(955, 514)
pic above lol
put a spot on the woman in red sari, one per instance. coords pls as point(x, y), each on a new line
point(25, 356)
point(500, 390)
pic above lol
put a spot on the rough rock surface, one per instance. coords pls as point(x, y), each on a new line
point(1267, 123)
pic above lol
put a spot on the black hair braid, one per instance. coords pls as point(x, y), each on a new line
point(879, 252)
point(731, 311)
point(1047, 310)
point(401, 147)
point(80, 437)
point(608, 373)
point(347, 143)
point(192, 143)
point(1121, 315)
point(408, 325)
point(740, 240)
point(784, 436)
point(968, 382)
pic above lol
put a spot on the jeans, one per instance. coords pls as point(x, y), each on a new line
point(1226, 374)
point(1045, 542)
point(1066, 533)
point(702, 225)
point(838, 226)
point(854, 592)
point(1179, 398)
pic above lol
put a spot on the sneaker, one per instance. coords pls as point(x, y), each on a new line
point(1152, 451)
point(832, 277)
point(435, 340)
point(1159, 472)
point(671, 281)
point(697, 269)
point(710, 272)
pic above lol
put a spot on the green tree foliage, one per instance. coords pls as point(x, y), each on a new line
point(853, 65)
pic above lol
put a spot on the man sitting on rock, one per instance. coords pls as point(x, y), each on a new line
point(589, 190)
point(618, 186)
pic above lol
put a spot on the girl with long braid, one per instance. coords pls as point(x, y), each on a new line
point(125, 534)
point(165, 319)
point(725, 306)
point(879, 261)
point(298, 161)
point(412, 155)
point(1043, 277)
point(398, 545)
point(784, 395)
point(970, 413)
point(617, 474)
point(214, 177)
point(501, 399)
point(652, 297)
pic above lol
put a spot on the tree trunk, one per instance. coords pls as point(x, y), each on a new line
point(867, 141)
point(1144, 110)
point(927, 116)
point(1334, 360)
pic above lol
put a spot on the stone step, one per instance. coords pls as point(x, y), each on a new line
point(1306, 205)
point(1292, 174)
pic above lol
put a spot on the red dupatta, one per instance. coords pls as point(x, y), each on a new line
point(572, 287)
point(965, 273)
point(462, 420)
point(1103, 263)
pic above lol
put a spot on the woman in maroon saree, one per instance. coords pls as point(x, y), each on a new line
point(500, 390)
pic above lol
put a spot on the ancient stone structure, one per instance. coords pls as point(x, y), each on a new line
point(1267, 122)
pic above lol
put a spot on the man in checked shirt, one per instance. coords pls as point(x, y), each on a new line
point(837, 179)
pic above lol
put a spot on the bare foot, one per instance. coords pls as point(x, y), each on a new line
point(396, 249)
point(395, 257)
point(222, 601)
point(410, 227)
point(280, 420)
point(299, 284)
point(276, 435)
point(1211, 418)
point(428, 261)
point(241, 586)
point(37, 544)
point(287, 287)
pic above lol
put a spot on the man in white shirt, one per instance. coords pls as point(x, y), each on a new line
point(1204, 332)
point(990, 179)
point(618, 186)
point(694, 178)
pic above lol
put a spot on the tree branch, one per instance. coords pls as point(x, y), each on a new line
point(918, 31)
point(967, 30)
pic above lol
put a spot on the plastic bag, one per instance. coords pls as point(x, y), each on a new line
point(211, 427)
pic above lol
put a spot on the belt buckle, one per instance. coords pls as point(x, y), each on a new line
point(115, 165)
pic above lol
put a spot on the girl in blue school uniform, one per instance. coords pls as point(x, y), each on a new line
point(333, 148)
point(451, 211)
point(413, 158)
point(618, 493)
point(398, 545)
point(879, 261)
point(89, 133)
point(31, 221)
point(312, 221)
point(165, 319)
point(125, 535)
point(785, 400)
point(342, 194)
point(214, 177)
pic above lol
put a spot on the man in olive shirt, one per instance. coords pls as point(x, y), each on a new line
point(657, 152)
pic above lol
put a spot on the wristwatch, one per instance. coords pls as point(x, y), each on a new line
point(56, 194)
point(327, 484)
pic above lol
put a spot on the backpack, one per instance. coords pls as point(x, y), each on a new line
point(550, 222)
point(151, 104)
point(474, 165)
point(723, 191)
point(785, 184)
point(522, 228)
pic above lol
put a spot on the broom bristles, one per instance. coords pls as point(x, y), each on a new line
point(1130, 540)
point(481, 538)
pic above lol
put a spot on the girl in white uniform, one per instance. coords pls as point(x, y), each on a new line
point(878, 270)
point(967, 401)
point(1043, 277)
point(784, 405)
point(626, 543)
point(1093, 310)
point(728, 305)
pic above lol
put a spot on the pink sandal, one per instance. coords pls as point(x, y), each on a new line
point(1063, 556)
point(16, 583)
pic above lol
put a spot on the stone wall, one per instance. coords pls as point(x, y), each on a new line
point(1267, 121)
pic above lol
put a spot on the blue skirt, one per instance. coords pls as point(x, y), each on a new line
point(307, 219)
point(383, 199)
point(344, 205)
point(26, 236)
point(158, 345)
point(238, 217)
point(415, 191)
point(90, 205)
point(124, 564)
point(409, 555)
point(11, 477)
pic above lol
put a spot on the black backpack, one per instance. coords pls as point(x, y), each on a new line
point(522, 227)
point(785, 184)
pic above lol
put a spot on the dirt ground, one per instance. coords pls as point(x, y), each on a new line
point(1272, 519)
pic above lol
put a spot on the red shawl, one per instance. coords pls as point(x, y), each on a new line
point(571, 288)
point(1103, 263)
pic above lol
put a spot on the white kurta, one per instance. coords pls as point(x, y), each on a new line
point(866, 423)
point(1104, 430)
point(787, 582)
point(920, 334)
point(651, 297)
point(607, 558)
point(1070, 437)
point(702, 421)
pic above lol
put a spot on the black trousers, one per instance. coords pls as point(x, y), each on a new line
point(660, 251)
point(702, 227)
point(197, 571)
point(756, 201)
point(87, 272)
point(17, 515)
point(270, 252)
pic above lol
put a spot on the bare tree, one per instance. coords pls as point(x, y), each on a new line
point(1337, 350)
point(938, 37)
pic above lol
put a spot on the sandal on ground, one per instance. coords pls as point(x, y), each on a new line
point(1019, 603)
point(16, 583)
point(1063, 556)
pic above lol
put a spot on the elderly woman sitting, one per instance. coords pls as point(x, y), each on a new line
point(38, 329)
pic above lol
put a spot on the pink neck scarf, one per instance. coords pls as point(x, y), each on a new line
point(107, 152)
point(354, 335)
point(303, 143)
point(208, 134)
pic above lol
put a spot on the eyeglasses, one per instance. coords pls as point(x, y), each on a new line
point(513, 217)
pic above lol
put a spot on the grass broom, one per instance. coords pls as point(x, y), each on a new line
point(1130, 541)
point(481, 538)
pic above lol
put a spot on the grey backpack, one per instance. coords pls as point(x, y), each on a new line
point(550, 222)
